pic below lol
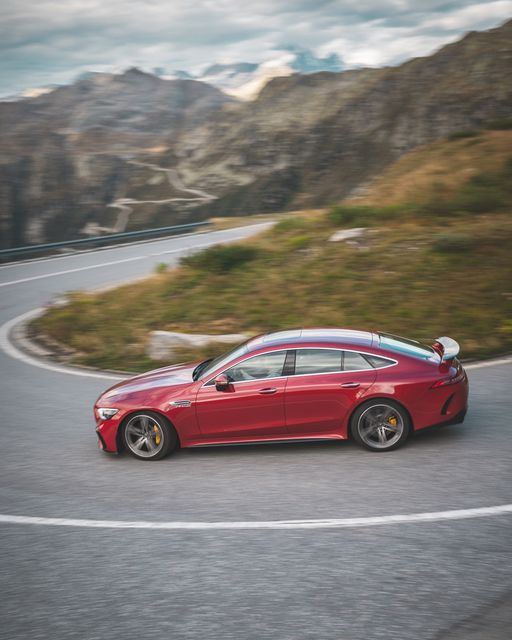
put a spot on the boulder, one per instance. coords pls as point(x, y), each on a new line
point(165, 345)
point(347, 234)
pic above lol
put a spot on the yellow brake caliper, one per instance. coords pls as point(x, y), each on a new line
point(393, 421)
point(158, 437)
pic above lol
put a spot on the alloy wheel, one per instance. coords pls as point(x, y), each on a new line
point(380, 426)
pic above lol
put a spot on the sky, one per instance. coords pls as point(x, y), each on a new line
point(46, 42)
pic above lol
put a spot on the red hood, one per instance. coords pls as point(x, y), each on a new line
point(175, 375)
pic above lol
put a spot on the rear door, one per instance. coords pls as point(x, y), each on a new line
point(326, 385)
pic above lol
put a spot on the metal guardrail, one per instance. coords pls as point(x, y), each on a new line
point(99, 240)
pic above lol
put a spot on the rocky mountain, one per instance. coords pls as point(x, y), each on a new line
point(69, 156)
point(114, 152)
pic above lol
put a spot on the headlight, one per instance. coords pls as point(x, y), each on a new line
point(106, 413)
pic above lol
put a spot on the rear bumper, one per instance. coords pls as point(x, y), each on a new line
point(444, 406)
point(456, 419)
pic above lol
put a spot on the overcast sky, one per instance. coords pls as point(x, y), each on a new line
point(52, 41)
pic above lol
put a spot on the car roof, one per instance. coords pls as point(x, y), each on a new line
point(297, 336)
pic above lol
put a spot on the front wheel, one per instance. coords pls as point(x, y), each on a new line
point(380, 425)
point(148, 436)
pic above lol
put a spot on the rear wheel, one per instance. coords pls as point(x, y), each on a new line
point(380, 425)
point(148, 436)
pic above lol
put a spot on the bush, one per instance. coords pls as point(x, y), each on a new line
point(160, 267)
point(364, 215)
point(452, 243)
point(298, 242)
point(480, 194)
point(459, 135)
point(342, 215)
point(438, 206)
point(290, 224)
point(501, 124)
point(221, 258)
point(507, 173)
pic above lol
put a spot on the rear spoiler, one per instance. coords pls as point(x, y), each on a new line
point(447, 348)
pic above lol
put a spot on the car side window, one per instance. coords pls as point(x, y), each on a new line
point(377, 362)
point(266, 365)
point(353, 361)
point(318, 361)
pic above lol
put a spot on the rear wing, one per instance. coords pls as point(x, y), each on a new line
point(447, 348)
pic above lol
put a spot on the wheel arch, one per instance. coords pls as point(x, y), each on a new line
point(119, 440)
point(377, 398)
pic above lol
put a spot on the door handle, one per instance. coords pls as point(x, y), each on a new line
point(268, 390)
point(350, 385)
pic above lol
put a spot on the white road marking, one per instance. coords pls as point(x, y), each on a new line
point(78, 253)
point(108, 264)
point(488, 363)
point(7, 346)
point(336, 523)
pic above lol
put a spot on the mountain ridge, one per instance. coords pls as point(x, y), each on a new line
point(171, 151)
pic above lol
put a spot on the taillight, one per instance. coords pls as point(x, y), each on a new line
point(444, 382)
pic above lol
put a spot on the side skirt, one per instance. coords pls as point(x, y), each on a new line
point(234, 443)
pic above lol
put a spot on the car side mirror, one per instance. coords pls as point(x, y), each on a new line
point(221, 382)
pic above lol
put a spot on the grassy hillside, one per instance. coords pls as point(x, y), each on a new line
point(435, 260)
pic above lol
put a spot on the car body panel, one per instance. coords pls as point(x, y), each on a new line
point(249, 408)
point(318, 403)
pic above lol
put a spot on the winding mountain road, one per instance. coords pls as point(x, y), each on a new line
point(353, 560)
point(125, 205)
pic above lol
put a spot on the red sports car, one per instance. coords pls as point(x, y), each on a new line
point(304, 384)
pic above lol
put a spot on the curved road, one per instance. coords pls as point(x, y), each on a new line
point(440, 579)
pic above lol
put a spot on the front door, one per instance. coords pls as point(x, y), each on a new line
point(251, 406)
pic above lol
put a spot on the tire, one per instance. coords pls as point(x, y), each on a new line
point(148, 436)
point(380, 425)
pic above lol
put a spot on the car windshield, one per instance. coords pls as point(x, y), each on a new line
point(409, 347)
point(219, 362)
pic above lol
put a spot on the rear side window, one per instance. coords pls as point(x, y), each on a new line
point(318, 361)
point(377, 362)
point(353, 361)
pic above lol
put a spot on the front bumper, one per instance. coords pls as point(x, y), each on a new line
point(107, 434)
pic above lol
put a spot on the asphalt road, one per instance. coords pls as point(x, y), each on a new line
point(424, 580)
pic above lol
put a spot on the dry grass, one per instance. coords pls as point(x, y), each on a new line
point(439, 168)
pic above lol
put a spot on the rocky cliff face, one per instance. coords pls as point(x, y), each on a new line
point(68, 157)
point(115, 152)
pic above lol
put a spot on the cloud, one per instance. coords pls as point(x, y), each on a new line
point(49, 41)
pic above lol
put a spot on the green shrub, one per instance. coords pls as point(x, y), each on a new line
point(452, 243)
point(364, 215)
point(343, 215)
point(221, 258)
point(438, 206)
point(160, 267)
point(299, 242)
point(459, 135)
point(475, 197)
point(502, 124)
point(482, 193)
point(294, 223)
point(507, 173)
